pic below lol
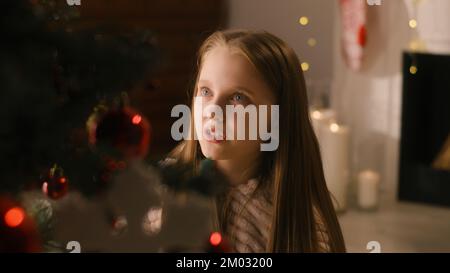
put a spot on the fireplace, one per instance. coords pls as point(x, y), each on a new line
point(424, 174)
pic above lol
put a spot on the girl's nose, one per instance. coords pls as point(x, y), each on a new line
point(213, 115)
point(220, 101)
point(210, 110)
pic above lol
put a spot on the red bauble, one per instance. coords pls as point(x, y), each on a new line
point(18, 232)
point(55, 184)
point(122, 131)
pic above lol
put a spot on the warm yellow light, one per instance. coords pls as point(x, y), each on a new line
point(414, 45)
point(412, 23)
point(316, 114)
point(312, 42)
point(303, 20)
point(305, 66)
point(417, 45)
point(334, 127)
point(413, 69)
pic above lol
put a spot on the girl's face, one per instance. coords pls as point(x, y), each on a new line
point(228, 78)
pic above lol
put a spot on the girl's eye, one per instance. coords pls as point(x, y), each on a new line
point(238, 98)
point(204, 92)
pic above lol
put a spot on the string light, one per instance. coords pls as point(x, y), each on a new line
point(136, 119)
point(215, 239)
point(415, 44)
point(305, 66)
point(303, 20)
point(312, 42)
point(412, 23)
point(14, 217)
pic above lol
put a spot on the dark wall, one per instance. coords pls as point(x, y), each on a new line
point(179, 27)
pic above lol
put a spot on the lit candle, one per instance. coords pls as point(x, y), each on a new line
point(368, 189)
point(335, 156)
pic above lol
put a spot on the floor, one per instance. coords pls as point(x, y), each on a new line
point(398, 227)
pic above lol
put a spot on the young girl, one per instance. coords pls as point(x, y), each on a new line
point(278, 200)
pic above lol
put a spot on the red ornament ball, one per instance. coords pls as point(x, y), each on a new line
point(55, 184)
point(123, 132)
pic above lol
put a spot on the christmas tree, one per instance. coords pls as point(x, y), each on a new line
point(73, 150)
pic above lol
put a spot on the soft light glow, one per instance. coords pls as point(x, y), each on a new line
point(312, 42)
point(303, 20)
point(62, 180)
point(414, 45)
point(334, 127)
point(45, 187)
point(316, 114)
point(412, 23)
point(305, 66)
point(413, 69)
point(136, 119)
point(153, 222)
point(14, 217)
point(215, 239)
point(119, 225)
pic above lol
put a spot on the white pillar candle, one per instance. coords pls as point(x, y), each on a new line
point(335, 156)
point(368, 189)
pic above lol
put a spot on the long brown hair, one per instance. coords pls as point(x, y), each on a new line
point(293, 172)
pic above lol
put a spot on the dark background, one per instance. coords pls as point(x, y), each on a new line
point(425, 127)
